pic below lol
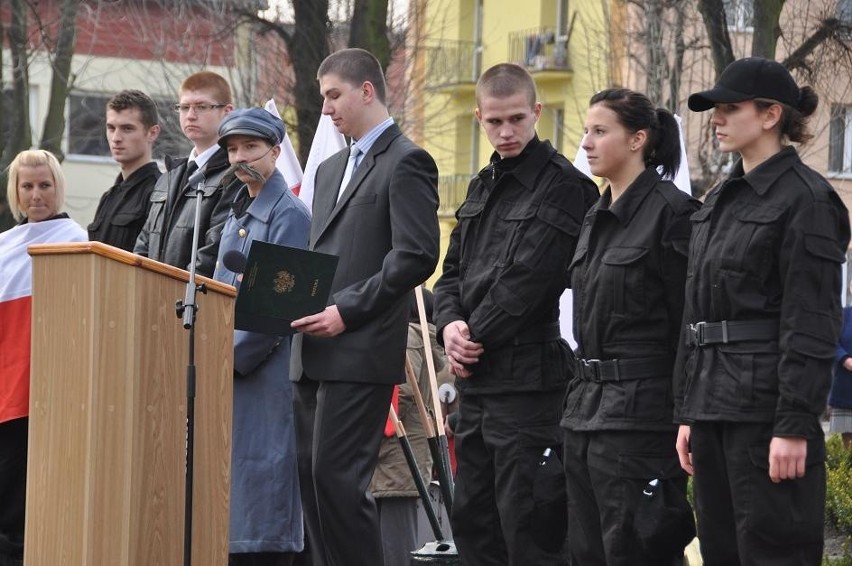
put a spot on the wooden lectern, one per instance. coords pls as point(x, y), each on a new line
point(107, 429)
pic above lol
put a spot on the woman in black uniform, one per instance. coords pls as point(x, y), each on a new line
point(627, 277)
point(762, 319)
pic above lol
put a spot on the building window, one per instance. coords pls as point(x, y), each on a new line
point(87, 127)
point(840, 140)
point(844, 11)
point(844, 14)
point(739, 14)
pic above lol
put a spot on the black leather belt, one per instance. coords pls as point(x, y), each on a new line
point(623, 369)
point(544, 333)
point(727, 331)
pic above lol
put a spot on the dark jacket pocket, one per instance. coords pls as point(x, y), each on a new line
point(625, 278)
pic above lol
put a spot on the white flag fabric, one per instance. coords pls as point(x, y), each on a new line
point(287, 161)
point(327, 142)
point(581, 162)
point(681, 177)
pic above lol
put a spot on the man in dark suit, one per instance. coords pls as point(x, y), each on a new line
point(375, 207)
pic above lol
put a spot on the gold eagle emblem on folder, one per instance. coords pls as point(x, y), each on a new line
point(284, 282)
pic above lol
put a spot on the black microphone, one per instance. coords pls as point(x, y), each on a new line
point(235, 261)
point(196, 178)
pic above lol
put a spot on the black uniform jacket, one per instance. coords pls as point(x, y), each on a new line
point(506, 267)
point(627, 277)
point(123, 209)
point(167, 233)
point(765, 246)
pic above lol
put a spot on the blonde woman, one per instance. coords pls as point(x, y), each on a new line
point(36, 195)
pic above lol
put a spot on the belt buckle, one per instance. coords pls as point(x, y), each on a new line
point(697, 331)
point(593, 367)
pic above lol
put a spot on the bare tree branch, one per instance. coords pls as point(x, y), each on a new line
point(828, 29)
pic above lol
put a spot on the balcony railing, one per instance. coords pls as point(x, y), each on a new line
point(451, 192)
point(450, 63)
point(539, 49)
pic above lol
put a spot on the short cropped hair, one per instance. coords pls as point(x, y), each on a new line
point(355, 66)
point(129, 99)
point(210, 81)
point(34, 158)
point(504, 80)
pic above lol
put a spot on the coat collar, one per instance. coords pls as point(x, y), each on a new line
point(264, 204)
point(527, 166)
point(626, 207)
point(765, 175)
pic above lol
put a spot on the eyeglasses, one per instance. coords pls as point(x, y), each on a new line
point(199, 108)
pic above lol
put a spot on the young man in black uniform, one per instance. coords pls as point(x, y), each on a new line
point(497, 313)
point(132, 127)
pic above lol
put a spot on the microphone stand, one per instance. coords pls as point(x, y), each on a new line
point(188, 309)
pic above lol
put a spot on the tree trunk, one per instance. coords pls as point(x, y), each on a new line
point(766, 27)
point(673, 103)
point(20, 137)
point(308, 46)
point(60, 84)
point(369, 29)
point(655, 74)
point(713, 14)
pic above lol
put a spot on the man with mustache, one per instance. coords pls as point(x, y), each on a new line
point(266, 511)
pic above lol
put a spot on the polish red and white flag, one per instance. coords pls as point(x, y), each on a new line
point(16, 279)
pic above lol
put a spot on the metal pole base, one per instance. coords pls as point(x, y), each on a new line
point(438, 553)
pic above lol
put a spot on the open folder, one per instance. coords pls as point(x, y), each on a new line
point(281, 284)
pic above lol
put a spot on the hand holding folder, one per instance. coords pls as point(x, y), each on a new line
point(281, 284)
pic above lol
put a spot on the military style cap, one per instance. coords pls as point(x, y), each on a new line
point(747, 79)
point(255, 122)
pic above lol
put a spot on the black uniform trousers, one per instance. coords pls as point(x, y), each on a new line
point(500, 439)
point(13, 486)
point(339, 427)
point(606, 471)
point(745, 519)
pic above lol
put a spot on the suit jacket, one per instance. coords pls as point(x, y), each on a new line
point(385, 231)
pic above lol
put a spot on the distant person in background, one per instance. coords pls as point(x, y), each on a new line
point(266, 511)
point(840, 397)
point(205, 100)
point(132, 127)
point(393, 485)
point(36, 196)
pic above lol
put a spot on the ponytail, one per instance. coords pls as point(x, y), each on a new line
point(663, 149)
